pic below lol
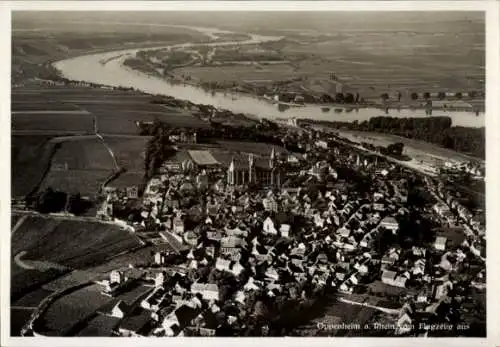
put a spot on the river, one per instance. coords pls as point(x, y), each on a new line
point(107, 68)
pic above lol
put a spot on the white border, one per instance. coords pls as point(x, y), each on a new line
point(491, 8)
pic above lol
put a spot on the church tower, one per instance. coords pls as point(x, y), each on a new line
point(275, 169)
point(231, 173)
point(272, 159)
point(251, 169)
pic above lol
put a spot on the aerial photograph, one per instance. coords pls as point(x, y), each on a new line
point(248, 174)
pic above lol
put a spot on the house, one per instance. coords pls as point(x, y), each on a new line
point(136, 324)
point(209, 291)
point(354, 279)
point(388, 277)
point(212, 208)
point(418, 251)
point(232, 242)
point(268, 226)
point(443, 289)
point(419, 267)
point(132, 192)
point(237, 269)
point(251, 285)
point(285, 230)
point(159, 279)
point(116, 308)
point(344, 232)
point(362, 268)
point(321, 144)
point(424, 295)
point(270, 204)
point(390, 223)
point(271, 273)
point(116, 277)
point(440, 208)
point(367, 240)
point(404, 324)
point(440, 243)
point(159, 258)
point(154, 300)
point(214, 235)
point(390, 258)
point(391, 278)
point(223, 264)
point(178, 226)
point(345, 288)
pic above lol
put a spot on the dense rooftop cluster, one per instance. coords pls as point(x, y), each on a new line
point(244, 260)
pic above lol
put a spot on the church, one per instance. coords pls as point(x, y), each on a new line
point(262, 172)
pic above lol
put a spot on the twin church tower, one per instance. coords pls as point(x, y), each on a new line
point(259, 172)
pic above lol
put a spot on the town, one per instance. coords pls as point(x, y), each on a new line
point(245, 242)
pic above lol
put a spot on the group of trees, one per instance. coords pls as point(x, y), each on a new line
point(426, 95)
point(394, 149)
point(347, 98)
point(52, 201)
point(158, 149)
point(437, 130)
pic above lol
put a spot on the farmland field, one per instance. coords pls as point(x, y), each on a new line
point(85, 182)
point(64, 122)
point(100, 326)
point(84, 164)
point(39, 38)
point(18, 317)
point(72, 279)
point(85, 154)
point(73, 244)
point(69, 310)
point(129, 152)
point(115, 111)
point(27, 106)
point(30, 157)
point(32, 299)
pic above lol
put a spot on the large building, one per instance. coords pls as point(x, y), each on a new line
point(267, 173)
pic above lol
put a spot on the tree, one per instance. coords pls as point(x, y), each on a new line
point(458, 95)
point(384, 96)
point(414, 96)
point(349, 98)
point(339, 98)
point(50, 201)
point(427, 95)
point(472, 94)
point(77, 205)
point(396, 148)
point(441, 95)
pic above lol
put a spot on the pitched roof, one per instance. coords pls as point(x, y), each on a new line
point(202, 157)
point(136, 322)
